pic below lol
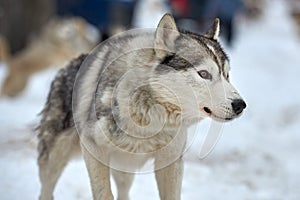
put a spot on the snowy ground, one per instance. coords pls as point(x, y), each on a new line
point(256, 158)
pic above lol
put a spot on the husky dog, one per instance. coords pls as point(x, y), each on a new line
point(130, 101)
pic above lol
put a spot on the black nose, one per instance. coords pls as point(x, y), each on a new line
point(238, 105)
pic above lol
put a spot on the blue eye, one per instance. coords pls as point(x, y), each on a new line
point(205, 74)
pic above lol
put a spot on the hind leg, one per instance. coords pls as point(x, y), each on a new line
point(51, 168)
point(123, 181)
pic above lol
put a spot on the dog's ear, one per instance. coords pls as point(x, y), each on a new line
point(213, 32)
point(165, 36)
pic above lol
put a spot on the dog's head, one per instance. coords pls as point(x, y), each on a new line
point(198, 64)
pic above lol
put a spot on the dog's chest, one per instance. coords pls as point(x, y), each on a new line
point(132, 143)
point(132, 153)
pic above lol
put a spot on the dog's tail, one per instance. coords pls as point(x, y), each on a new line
point(57, 116)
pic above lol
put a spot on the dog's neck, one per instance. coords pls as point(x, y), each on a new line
point(146, 106)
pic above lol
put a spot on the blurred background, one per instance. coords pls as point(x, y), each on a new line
point(257, 156)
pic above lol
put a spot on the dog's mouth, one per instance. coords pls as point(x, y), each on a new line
point(210, 114)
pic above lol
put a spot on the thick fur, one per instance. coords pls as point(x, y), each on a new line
point(57, 114)
point(60, 41)
point(133, 99)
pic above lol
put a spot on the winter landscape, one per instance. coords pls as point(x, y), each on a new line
point(256, 157)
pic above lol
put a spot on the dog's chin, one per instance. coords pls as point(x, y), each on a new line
point(221, 119)
point(217, 118)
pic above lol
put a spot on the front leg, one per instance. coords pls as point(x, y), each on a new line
point(169, 180)
point(99, 175)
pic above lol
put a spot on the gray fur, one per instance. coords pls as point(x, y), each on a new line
point(133, 99)
point(57, 114)
point(219, 56)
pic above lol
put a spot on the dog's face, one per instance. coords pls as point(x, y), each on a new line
point(216, 96)
point(203, 68)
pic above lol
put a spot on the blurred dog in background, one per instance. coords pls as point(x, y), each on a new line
point(4, 55)
point(61, 40)
point(295, 13)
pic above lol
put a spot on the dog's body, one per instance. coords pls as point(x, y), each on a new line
point(61, 40)
point(133, 99)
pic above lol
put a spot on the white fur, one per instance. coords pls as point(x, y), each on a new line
point(154, 110)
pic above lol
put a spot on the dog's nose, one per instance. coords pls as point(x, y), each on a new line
point(238, 105)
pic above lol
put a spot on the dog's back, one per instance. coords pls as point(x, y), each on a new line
point(57, 113)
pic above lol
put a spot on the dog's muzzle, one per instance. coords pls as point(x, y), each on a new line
point(238, 105)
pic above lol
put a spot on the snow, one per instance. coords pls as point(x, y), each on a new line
point(255, 158)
